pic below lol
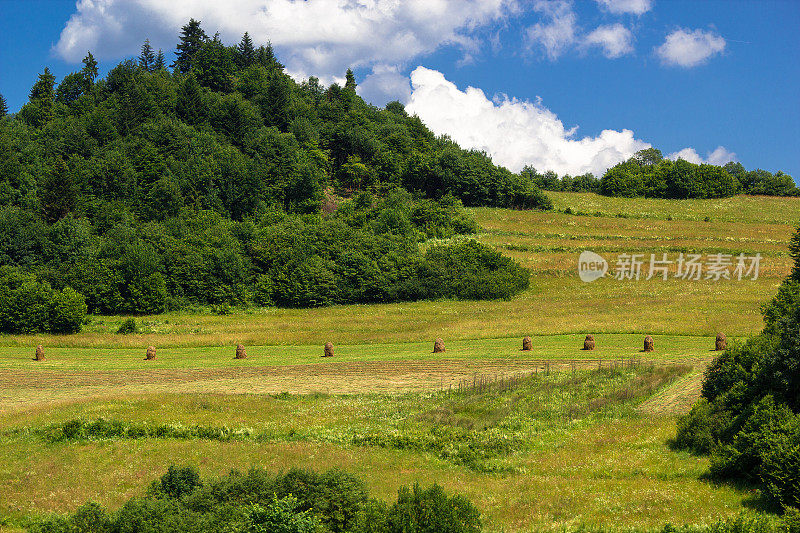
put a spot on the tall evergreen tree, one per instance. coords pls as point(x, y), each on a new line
point(191, 40)
point(89, 70)
point(189, 106)
point(58, 191)
point(350, 82)
point(147, 58)
point(160, 63)
point(3, 107)
point(245, 51)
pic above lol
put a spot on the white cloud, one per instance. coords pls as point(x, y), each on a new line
point(384, 84)
point(616, 40)
point(688, 49)
point(514, 132)
point(719, 156)
point(319, 37)
point(619, 7)
point(559, 33)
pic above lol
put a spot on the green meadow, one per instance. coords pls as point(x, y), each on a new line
point(548, 439)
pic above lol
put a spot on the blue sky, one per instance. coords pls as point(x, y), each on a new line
point(572, 86)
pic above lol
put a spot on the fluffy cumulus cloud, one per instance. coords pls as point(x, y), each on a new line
point(615, 40)
point(559, 33)
point(619, 7)
point(684, 48)
point(514, 132)
point(719, 156)
point(320, 37)
point(384, 84)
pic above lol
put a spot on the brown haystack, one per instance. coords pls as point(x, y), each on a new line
point(527, 344)
point(151, 353)
point(328, 350)
point(722, 342)
point(241, 353)
point(39, 354)
point(648, 344)
point(588, 342)
point(438, 346)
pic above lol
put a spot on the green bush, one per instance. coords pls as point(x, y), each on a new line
point(180, 481)
point(30, 306)
point(432, 511)
point(127, 327)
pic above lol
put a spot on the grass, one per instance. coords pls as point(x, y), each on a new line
point(557, 301)
point(555, 450)
point(560, 444)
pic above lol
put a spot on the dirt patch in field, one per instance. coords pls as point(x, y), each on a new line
point(39, 387)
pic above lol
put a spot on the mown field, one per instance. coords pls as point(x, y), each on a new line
point(548, 439)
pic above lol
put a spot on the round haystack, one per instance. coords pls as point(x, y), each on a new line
point(722, 342)
point(241, 353)
point(151, 353)
point(648, 344)
point(588, 342)
point(328, 350)
point(438, 346)
point(39, 354)
point(527, 344)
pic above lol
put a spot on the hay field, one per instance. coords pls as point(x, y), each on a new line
point(591, 447)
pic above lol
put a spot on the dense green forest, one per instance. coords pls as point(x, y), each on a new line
point(748, 418)
point(223, 181)
point(648, 174)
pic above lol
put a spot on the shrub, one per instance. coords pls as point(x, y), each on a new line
point(282, 516)
point(180, 481)
point(30, 306)
point(432, 511)
point(127, 327)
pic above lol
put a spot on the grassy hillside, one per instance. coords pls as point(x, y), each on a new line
point(547, 439)
point(557, 302)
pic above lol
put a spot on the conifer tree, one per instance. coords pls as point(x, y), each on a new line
point(191, 40)
point(160, 62)
point(3, 107)
point(350, 82)
point(245, 51)
point(147, 58)
point(189, 104)
point(89, 70)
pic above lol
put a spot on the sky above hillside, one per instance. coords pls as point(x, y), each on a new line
point(570, 86)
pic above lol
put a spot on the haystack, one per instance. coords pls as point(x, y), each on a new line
point(39, 354)
point(722, 342)
point(241, 353)
point(328, 350)
point(588, 342)
point(648, 344)
point(151, 353)
point(438, 346)
point(527, 344)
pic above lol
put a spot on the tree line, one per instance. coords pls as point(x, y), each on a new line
point(648, 174)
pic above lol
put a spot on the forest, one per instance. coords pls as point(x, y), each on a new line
point(223, 181)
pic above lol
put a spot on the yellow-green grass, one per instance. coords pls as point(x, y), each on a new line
point(557, 302)
point(75, 373)
point(618, 474)
point(748, 209)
